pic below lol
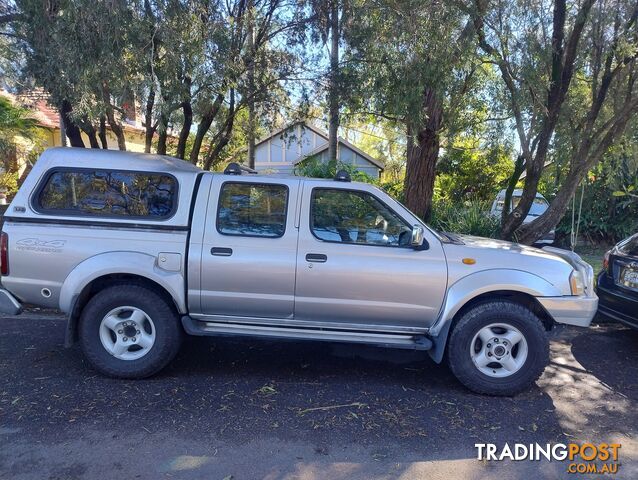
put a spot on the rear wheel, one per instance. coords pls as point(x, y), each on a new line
point(498, 348)
point(129, 331)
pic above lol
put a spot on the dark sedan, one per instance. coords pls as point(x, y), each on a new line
point(617, 285)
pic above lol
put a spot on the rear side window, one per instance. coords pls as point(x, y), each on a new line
point(252, 209)
point(630, 247)
point(106, 193)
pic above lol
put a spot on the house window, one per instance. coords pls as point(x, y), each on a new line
point(108, 193)
point(252, 209)
point(347, 216)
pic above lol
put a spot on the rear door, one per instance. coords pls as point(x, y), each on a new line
point(249, 247)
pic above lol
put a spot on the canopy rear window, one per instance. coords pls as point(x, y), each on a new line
point(108, 193)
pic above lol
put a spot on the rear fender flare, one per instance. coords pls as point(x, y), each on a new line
point(111, 263)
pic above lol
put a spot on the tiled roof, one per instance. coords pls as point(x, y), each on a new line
point(47, 116)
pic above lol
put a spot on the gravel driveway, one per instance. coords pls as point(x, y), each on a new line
point(252, 409)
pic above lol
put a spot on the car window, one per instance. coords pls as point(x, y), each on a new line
point(252, 209)
point(539, 205)
point(630, 247)
point(106, 193)
point(348, 216)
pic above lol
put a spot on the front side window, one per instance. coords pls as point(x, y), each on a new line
point(252, 209)
point(106, 193)
point(347, 216)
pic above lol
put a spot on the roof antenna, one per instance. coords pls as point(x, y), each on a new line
point(233, 168)
point(342, 176)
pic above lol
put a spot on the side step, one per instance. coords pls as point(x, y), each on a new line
point(206, 328)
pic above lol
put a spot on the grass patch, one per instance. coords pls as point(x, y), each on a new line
point(593, 254)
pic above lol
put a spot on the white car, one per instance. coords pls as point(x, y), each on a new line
point(539, 207)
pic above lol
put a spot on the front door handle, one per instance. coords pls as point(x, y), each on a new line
point(221, 251)
point(316, 257)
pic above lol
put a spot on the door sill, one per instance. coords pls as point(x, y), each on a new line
point(199, 327)
point(289, 322)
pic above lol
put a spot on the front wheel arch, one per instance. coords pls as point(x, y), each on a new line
point(520, 298)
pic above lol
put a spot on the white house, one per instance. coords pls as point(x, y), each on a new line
point(282, 150)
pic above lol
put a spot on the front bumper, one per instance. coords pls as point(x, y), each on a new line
point(8, 303)
point(571, 310)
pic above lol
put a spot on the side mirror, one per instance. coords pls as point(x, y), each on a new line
point(417, 236)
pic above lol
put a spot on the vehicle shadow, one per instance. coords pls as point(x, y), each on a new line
point(611, 355)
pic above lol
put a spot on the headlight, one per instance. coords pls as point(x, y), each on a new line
point(577, 283)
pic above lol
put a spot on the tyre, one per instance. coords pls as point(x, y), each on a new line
point(498, 348)
point(129, 331)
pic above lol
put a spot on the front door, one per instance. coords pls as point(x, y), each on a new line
point(249, 248)
point(355, 264)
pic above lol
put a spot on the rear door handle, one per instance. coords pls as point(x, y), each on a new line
point(221, 251)
point(316, 257)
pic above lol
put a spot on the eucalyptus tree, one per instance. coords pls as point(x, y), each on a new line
point(412, 62)
point(77, 51)
point(569, 64)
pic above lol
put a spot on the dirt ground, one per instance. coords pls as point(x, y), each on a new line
point(251, 409)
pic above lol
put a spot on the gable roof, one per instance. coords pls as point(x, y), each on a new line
point(323, 134)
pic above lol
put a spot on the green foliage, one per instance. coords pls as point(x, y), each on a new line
point(8, 183)
point(606, 216)
point(15, 121)
point(470, 217)
point(315, 168)
point(467, 170)
point(393, 187)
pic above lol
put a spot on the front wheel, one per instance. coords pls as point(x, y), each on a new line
point(498, 348)
point(129, 331)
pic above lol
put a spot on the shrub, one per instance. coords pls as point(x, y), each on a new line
point(313, 167)
point(471, 217)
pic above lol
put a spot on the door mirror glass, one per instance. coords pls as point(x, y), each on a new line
point(417, 236)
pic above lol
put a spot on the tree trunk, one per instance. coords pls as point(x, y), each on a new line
point(532, 231)
point(519, 166)
point(333, 89)
point(102, 133)
point(223, 136)
point(162, 133)
point(90, 132)
point(186, 128)
point(422, 154)
point(62, 131)
point(71, 129)
point(562, 70)
point(251, 86)
point(204, 125)
point(116, 127)
point(582, 161)
point(148, 120)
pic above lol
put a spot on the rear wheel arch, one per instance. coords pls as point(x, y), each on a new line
point(103, 282)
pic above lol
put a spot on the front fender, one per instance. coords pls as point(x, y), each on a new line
point(131, 263)
point(475, 284)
